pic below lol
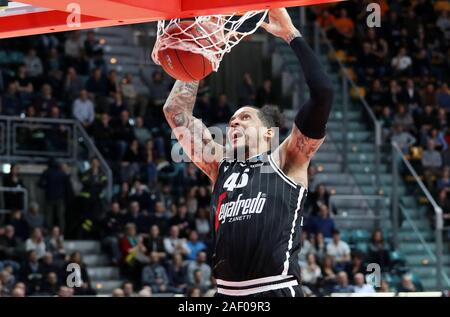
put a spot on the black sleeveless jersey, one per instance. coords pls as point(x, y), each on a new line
point(257, 216)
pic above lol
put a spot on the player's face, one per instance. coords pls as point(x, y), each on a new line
point(245, 129)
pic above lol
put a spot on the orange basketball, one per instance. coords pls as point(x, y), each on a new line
point(185, 65)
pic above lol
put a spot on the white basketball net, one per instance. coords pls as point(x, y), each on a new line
point(219, 34)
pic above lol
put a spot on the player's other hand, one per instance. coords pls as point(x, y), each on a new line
point(280, 24)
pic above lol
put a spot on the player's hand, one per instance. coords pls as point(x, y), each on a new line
point(280, 24)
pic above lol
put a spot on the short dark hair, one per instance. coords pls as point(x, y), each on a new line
point(270, 116)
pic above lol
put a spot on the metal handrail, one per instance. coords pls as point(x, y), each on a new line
point(109, 176)
point(439, 221)
point(423, 242)
point(78, 131)
point(320, 33)
point(15, 190)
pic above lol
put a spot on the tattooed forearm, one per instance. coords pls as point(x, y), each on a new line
point(304, 145)
point(192, 134)
point(180, 103)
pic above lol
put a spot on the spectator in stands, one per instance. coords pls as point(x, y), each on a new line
point(10, 247)
point(432, 163)
point(10, 102)
point(200, 265)
point(328, 273)
point(31, 272)
point(130, 161)
point(343, 285)
point(402, 63)
point(128, 244)
point(33, 217)
point(202, 224)
point(130, 95)
point(177, 274)
point(182, 220)
point(97, 88)
point(378, 252)
point(412, 96)
point(266, 95)
point(311, 272)
point(112, 226)
point(246, 91)
point(158, 87)
point(360, 285)
point(403, 138)
point(344, 30)
point(72, 85)
point(320, 246)
point(367, 64)
point(406, 284)
point(443, 97)
point(123, 133)
point(20, 225)
point(404, 118)
point(7, 281)
point(91, 44)
point(94, 183)
point(376, 97)
point(36, 243)
point(85, 288)
point(25, 86)
point(13, 200)
point(73, 46)
point(50, 285)
point(146, 291)
point(339, 250)
point(83, 109)
point(160, 218)
point(116, 106)
point(307, 248)
point(222, 110)
point(128, 289)
point(174, 244)
point(155, 275)
point(33, 64)
point(57, 188)
point(154, 243)
point(323, 223)
point(118, 292)
point(320, 196)
point(139, 218)
point(140, 193)
point(141, 133)
point(194, 245)
point(48, 265)
point(55, 243)
point(194, 292)
point(356, 265)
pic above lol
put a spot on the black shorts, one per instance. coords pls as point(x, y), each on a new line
point(294, 291)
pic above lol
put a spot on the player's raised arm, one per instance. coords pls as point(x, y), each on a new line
point(308, 132)
point(193, 135)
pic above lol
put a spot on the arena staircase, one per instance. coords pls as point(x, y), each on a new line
point(125, 51)
point(359, 179)
point(104, 277)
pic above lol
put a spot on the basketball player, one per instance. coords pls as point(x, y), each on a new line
point(256, 214)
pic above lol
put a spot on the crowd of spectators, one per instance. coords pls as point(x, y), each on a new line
point(157, 227)
point(403, 67)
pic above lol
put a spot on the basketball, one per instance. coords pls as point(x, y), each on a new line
point(184, 65)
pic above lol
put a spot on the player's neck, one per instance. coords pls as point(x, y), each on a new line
point(249, 153)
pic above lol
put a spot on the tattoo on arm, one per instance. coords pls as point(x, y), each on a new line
point(192, 134)
point(305, 145)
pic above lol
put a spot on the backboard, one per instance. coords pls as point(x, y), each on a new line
point(46, 16)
